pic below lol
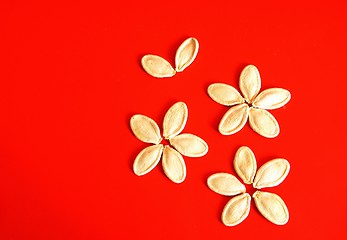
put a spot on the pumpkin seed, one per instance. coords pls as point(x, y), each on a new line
point(245, 164)
point(186, 53)
point(189, 145)
point(250, 82)
point(173, 165)
point(263, 122)
point(147, 159)
point(175, 120)
point(236, 210)
point(225, 184)
point(145, 129)
point(272, 207)
point(272, 98)
point(271, 173)
point(157, 66)
point(224, 94)
point(234, 119)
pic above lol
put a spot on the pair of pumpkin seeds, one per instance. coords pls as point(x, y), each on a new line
point(260, 120)
point(146, 130)
point(271, 174)
point(157, 66)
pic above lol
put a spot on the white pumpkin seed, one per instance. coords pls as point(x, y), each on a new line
point(245, 164)
point(145, 129)
point(236, 210)
point(189, 145)
point(262, 122)
point(272, 98)
point(173, 165)
point(224, 94)
point(272, 207)
point(250, 82)
point(175, 120)
point(157, 66)
point(147, 159)
point(225, 184)
point(234, 119)
point(186, 53)
point(271, 173)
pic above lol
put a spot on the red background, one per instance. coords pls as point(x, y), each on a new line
point(71, 79)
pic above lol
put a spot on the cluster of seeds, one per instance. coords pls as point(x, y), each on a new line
point(271, 174)
point(260, 120)
point(251, 105)
point(146, 130)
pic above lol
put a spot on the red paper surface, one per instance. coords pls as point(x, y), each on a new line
point(71, 79)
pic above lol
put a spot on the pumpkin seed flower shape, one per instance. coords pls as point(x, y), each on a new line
point(271, 174)
point(252, 105)
point(146, 130)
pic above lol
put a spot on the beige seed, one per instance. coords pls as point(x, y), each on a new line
point(173, 165)
point(225, 184)
point(272, 207)
point(189, 145)
point(236, 210)
point(145, 129)
point(245, 164)
point(271, 173)
point(157, 66)
point(224, 94)
point(250, 82)
point(186, 53)
point(175, 120)
point(234, 119)
point(263, 122)
point(147, 159)
point(272, 98)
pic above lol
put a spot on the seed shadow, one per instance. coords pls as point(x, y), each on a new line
point(221, 111)
point(173, 49)
point(222, 202)
point(139, 58)
point(234, 76)
point(139, 148)
point(165, 107)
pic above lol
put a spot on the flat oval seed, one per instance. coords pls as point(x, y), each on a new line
point(225, 184)
point(173, 165)
point(272, 207)
point(245, 164)
point(147, 159)
point(186, 53)
point(145, 129)
point(157, 66)
point(272, 98)
point(250, 82)
point(234, 119)
point(271, 173)
point(189, 145)
point(236, 210)
point(263, 123)
point(175, 120)
point(224, 94)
